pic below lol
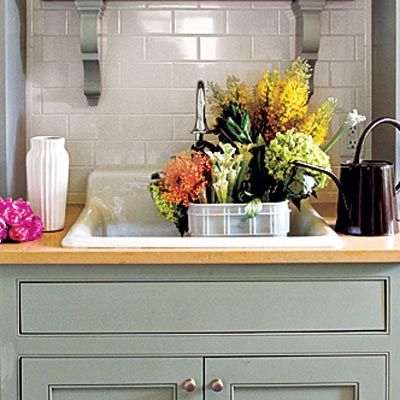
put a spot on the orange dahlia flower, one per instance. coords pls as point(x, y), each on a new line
point(186, 178)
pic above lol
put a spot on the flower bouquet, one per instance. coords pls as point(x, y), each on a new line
point(17, 221)
point(261, 132)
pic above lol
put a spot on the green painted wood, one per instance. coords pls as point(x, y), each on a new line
point(110, 378)
point(298, 378)
point(202, 307)
point(231, 346)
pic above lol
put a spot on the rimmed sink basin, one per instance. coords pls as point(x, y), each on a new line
point(119, 213)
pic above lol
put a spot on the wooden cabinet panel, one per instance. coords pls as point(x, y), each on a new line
point(202, 307)
point(298, 378)
point(110, 378)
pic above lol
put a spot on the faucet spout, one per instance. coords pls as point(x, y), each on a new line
point(200, 126)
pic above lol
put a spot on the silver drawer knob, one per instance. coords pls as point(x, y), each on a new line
point(190, 385)
point(217, 385)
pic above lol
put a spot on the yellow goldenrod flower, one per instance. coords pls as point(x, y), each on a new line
point(317, 124)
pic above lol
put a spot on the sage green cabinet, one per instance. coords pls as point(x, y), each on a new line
point(110, 378)
point(258, 332)
point(244, 378)
point(297, 378)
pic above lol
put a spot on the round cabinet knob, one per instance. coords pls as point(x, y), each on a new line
point(190, 385)
point(217, 385)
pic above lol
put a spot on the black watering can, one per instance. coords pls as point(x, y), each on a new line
point(367, 194)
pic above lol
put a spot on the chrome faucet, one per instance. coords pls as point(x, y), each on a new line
point(200, 128)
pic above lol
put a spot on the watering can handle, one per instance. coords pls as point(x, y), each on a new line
point(367, 131)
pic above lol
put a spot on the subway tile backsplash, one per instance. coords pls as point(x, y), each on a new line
point(152, 54)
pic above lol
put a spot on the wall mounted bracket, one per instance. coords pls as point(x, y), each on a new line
point(308, 31)
point(90, 12)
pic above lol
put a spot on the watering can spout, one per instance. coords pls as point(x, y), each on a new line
point(334, 178)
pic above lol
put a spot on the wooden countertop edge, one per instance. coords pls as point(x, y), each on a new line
point(185, 257)
point(48, 250)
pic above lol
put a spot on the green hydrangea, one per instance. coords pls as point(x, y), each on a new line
point(283, 151)
point(168, 211)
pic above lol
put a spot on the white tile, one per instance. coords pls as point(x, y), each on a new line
point(78, 179)
point(61, 48)
point(345, 96)
point(258, 22)
point(225, 4)
point(73, 20)
point(146, 128)
point(36, 100)
point(361, 48)
point(37, 48)
point(109, 23)
point(333, 48)
point(50, 22)
point(171, 48)
point(271, 4)
point(347, 74)
point(325, 23)
point(321, 74)
point(80, 153)
point(146, 75)
point(160, 153)
point(150, 22)
point(199, 22)
point(170, 101)
point(57, 5)
point(120, 153)
point(89, 127)
point(50, 75)
point(172, 4)
point(187, 74)
point(49, 125)
point(272, 48)
point(183, 124)
point(286, 22)
point(341, 4)
point(132, 4)
point(348, 22)
point(122, 101)
point(225, 48)
point(64, 101)
point(115, 49)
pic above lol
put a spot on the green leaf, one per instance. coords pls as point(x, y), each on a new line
point(253, 208)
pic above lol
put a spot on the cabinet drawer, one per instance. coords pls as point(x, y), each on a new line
point(202, 307)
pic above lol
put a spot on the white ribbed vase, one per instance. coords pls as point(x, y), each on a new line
point(47, 166)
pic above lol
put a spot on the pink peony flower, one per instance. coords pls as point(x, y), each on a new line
point(17, 221)
point(30, 229)
point(14, 212)
point(3, 229)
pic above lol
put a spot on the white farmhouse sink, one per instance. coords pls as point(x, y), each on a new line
point(119, 213)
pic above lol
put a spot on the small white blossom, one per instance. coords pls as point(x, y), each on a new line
point(354, 118)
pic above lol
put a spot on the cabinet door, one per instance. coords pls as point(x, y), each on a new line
point(297, 378)
point(110, 378)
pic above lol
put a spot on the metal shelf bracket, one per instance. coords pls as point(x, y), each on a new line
point(90, 12)
point(308, 31)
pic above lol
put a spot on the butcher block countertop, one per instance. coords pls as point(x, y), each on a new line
point(48, 250)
